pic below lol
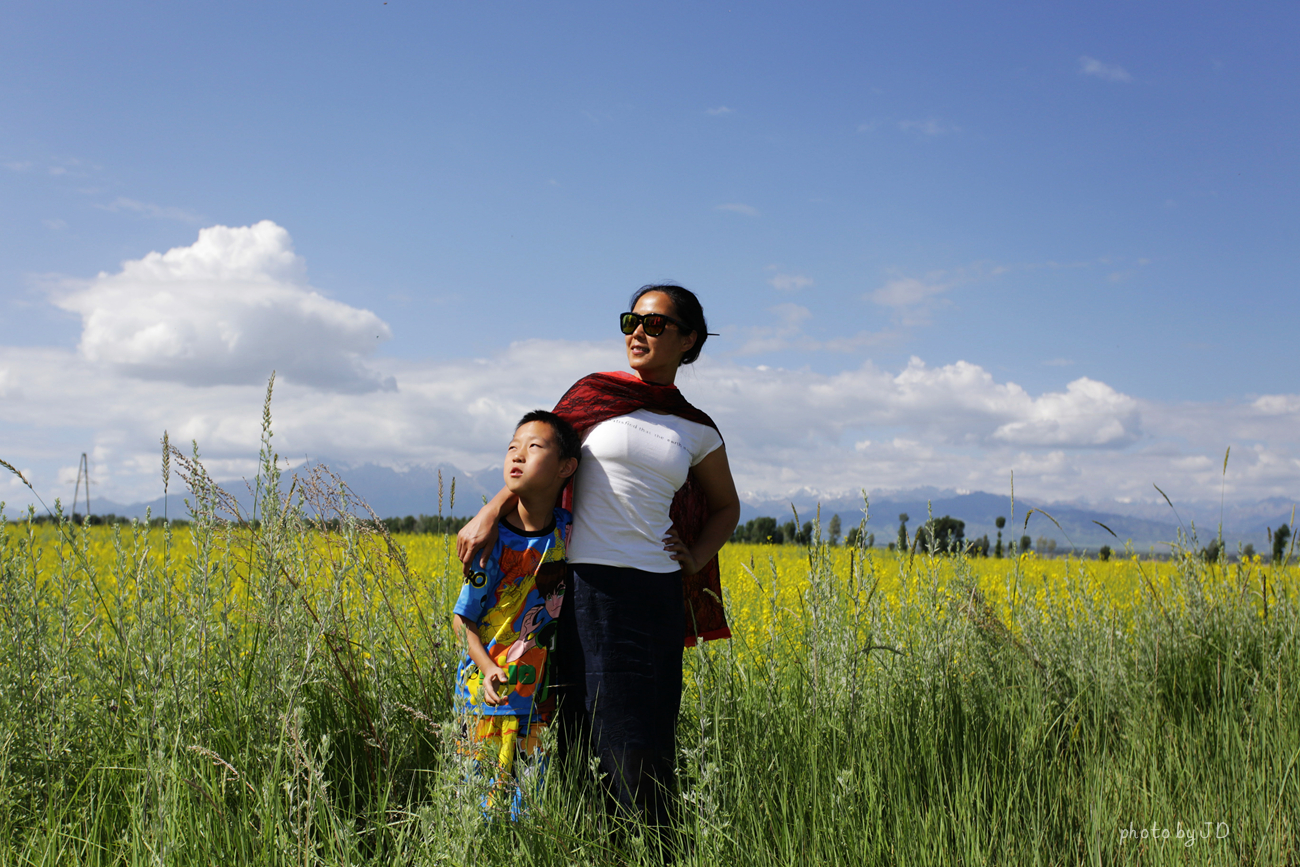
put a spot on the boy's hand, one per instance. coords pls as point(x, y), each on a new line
point(495, 685)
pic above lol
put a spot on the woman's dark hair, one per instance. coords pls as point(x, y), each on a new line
point(565, 436)
point(686, 307)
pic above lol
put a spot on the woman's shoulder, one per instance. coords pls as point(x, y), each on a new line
point(606, 376)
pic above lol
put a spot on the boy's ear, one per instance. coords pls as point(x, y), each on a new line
point(568, 467)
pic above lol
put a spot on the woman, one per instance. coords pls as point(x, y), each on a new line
point(653, 503)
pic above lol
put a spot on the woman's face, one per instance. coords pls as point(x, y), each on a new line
point(656, 359)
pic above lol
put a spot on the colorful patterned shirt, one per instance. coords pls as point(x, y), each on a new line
point(514, 603)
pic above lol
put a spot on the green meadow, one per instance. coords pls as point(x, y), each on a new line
point(276, 690)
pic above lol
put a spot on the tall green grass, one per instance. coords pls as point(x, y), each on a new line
point(282, 696)
point(948, 736)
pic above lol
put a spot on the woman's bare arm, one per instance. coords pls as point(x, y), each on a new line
point(714, 476)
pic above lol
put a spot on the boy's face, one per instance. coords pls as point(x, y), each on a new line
point(533, 463)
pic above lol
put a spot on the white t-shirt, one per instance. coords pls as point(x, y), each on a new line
point(631, 467)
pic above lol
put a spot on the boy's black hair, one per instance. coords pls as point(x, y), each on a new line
point(565, 436)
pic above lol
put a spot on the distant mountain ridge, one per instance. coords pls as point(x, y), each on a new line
point(390, 493)
point(415, 491)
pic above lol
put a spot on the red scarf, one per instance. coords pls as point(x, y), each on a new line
point(602, 396)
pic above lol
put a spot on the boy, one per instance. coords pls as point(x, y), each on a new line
point(506, 613)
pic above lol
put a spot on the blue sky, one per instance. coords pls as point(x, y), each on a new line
point(1054, 239)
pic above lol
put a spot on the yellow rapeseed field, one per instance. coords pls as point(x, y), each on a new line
point(216, 692)
point(766, 586)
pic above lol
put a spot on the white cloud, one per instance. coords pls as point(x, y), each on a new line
point(785, 328)
point(183, 341)
point(1088, 413)
point(866, 427)
point(956, 426)
point(747, 210)
point(1104, 71)
point(914, 299)
point(1277, 404)
point(722, 109)
point(961, 402)
point(784, 331)
point(226, 310)
point(929, 127)
point(1209, 427)
point(159, 212)
point(790, 282)
point(459, 411)
point(956, 405)
point(909, 291)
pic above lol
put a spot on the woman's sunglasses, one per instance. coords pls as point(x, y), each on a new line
point(653, 323)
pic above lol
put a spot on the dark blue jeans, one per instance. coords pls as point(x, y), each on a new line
point(618, 676)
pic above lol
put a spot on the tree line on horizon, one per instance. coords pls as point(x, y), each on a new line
point(947, 535)
point(943, 535)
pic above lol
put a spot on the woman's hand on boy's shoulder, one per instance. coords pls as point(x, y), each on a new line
point(479, 536)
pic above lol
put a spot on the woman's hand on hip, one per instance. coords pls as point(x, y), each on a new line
point(678, 551)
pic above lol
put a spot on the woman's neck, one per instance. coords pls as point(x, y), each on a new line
point(657, 376)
